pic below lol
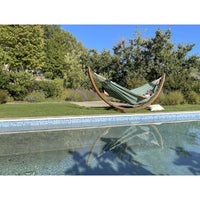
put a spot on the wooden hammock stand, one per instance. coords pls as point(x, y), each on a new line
point(122, 109)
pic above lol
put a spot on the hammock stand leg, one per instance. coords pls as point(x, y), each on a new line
point(122, 109)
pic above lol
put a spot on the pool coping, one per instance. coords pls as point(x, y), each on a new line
point(97, 115)
point(64, 122)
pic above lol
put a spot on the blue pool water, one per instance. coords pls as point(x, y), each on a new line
point(153, 149)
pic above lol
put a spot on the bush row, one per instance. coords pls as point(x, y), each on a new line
point(176, 98)
point(23, 86)
point(66, 94)
point(171, 98)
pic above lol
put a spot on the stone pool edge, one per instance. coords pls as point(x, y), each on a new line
point(64, 122)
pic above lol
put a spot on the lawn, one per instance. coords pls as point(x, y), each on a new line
point(67, 109)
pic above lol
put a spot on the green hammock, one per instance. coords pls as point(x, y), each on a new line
point(129, 96)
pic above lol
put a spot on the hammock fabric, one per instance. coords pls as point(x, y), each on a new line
point(129, 96)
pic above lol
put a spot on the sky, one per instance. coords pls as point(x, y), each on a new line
point(105, 36)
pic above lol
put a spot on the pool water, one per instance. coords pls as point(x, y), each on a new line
point(153, 149)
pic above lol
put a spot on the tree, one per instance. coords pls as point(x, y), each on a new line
point(101, 63)
point(22, 46)
point(148, 58)
point(55, 49)
point(59, 44)
point(74, 74)
point(50, 31)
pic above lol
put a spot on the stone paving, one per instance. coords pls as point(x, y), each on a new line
point(97, 104)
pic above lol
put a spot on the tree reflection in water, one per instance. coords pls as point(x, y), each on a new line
point(122, 150)
point(190, 159)
point(117, 153)
point(122, 145)
point(139, 150)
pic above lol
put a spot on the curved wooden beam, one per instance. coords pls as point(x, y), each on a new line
point(157, 131)
point(122, 108)
point(91, 152)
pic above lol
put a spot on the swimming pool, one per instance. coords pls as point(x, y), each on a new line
point(136, 149)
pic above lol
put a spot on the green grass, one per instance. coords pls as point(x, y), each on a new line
point(67, 109)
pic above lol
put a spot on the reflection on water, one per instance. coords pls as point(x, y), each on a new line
point(164, 149)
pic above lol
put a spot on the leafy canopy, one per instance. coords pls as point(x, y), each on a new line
point(21, 47)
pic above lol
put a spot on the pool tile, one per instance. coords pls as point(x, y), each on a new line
point(92, 121)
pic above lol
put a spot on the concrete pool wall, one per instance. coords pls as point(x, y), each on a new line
point(47, 123)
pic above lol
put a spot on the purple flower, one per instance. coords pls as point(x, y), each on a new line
point(91, 92)
point(83, 93)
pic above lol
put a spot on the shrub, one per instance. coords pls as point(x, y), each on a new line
point(73, 95)
point(3, 97)
point(17, 92)
point(20, 83)
point(173, 98)
point(35, 97)
point(4, 79)
point(193, 98)
point(10, 99)
point(52, 88)
point(196, 86)
point(179, 81)
point(160, 99)
point(48, 75)
point(58, 83)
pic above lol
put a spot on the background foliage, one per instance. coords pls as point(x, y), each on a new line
point(45, 60)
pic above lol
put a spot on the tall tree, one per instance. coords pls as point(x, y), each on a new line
point(22, 46)
point(55, 49)
point(59, 44)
